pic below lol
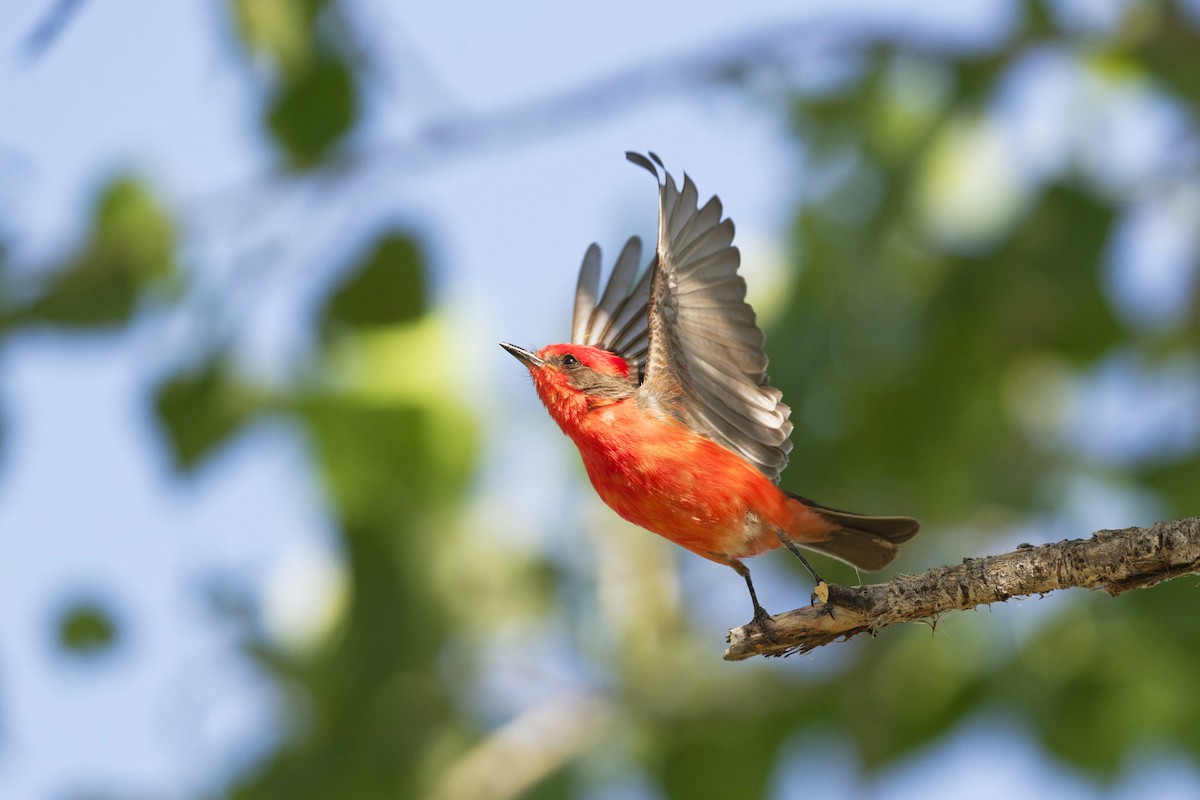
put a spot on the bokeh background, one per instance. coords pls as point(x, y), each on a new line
point(278, 519)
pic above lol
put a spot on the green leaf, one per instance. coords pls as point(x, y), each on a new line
point(86, 629)
point(377, 456)
point(131, 246)
point(279, 29)
point(315, 109)
point(200, 410)
point(386, 288)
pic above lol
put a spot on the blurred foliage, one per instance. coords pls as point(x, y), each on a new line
point(923, 374)
point(925, 345)
point(86, 629)
point(965, 331)
point(930, 357)
point(379, 708)
point(314, 110)
point(386, 289)
point(313, 101)
point(131, 249)
point(280, 30)
point(199, 410)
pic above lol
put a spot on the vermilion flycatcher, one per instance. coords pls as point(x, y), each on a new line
point(664, 391)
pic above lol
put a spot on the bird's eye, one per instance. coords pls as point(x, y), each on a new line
point(570, 361)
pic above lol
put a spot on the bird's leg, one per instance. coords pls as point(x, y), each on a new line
point(761, 618)
point(821, 590)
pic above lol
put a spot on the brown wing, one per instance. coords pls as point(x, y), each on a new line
point(618, 320)
point(705, 360)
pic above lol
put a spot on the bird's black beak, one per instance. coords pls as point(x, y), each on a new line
point(524, 356)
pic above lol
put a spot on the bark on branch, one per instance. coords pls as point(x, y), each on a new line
point(1115, 561)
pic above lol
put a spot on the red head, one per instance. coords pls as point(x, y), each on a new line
point(572, 379)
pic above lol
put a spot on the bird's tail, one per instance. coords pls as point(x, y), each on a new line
point(863, 541)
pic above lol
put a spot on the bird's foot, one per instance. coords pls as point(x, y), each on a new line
point(764, 622)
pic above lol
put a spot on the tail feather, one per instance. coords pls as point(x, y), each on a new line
point(863, 541)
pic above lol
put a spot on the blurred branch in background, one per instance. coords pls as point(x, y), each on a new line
point(1115, 561)
point(776, 53)
point(50, 26)
point(527, 750)
point(775, 62)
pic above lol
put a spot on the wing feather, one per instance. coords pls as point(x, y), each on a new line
point(586, 292)
point(617, 291)
point(704, 359)
point(616, 320)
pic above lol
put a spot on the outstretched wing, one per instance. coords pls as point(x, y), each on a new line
point(705, 360)
point(618, 320)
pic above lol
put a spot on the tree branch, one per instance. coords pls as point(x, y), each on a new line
point(50, 27)
point(1116, 561)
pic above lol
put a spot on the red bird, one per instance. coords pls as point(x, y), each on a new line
point(664, 391)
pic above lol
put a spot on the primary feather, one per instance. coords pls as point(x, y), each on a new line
point(705, 359)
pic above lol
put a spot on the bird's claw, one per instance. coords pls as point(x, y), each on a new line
point(764, 622)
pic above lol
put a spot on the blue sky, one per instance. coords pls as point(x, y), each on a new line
point(88, 504)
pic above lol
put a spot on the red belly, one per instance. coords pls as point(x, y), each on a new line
point(682, 486)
